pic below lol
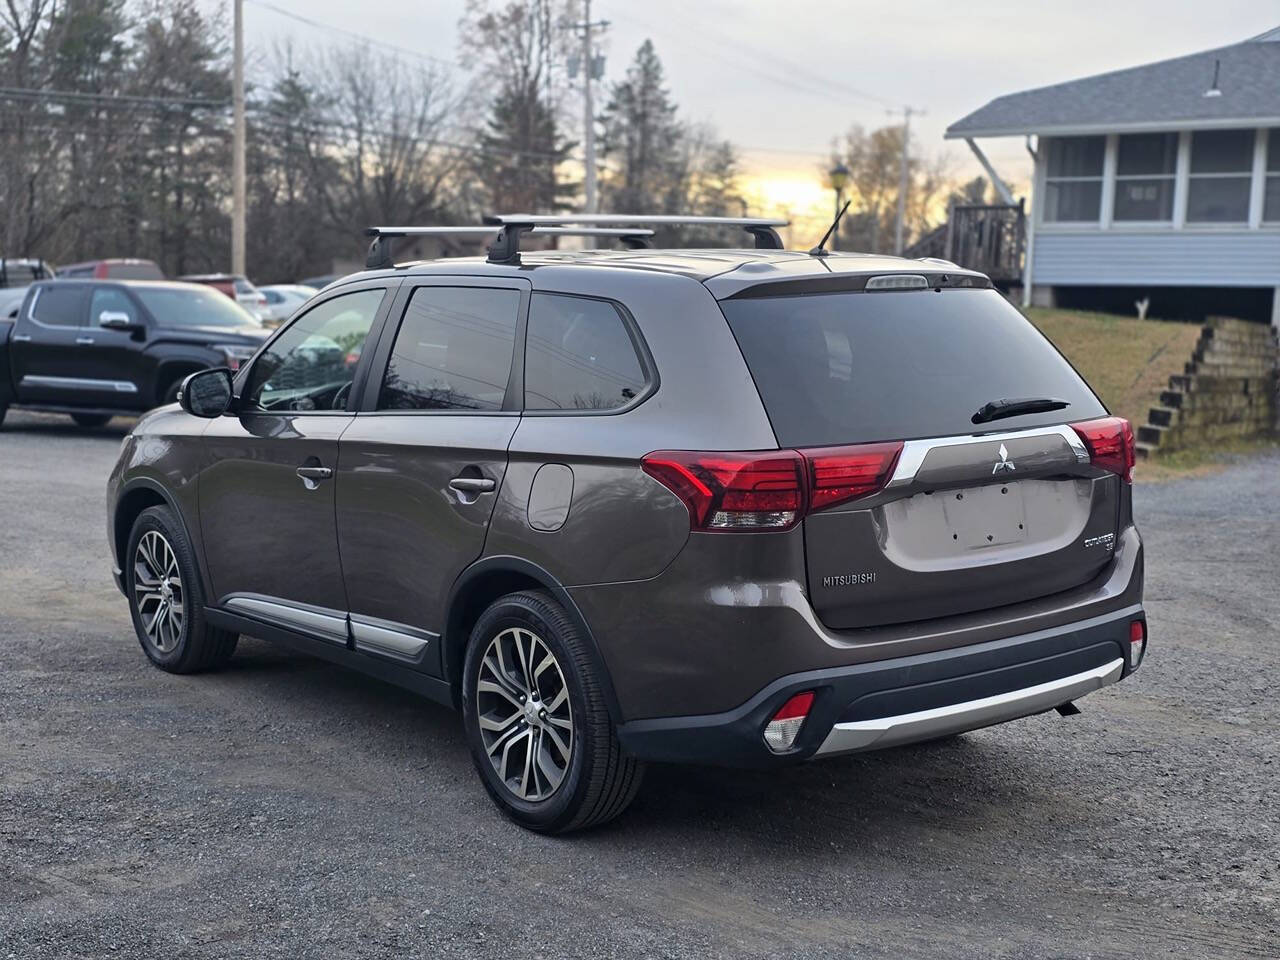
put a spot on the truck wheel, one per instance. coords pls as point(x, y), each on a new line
point(91, 419)
point(167, 600)
point(171, 392)
point(4, 408)
point(536, 721)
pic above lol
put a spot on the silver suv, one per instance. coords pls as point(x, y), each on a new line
point(742, 507)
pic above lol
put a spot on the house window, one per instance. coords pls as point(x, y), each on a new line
point(1073, 179)
point(1271, 195)
point(1221, 171)
point(1145, 170)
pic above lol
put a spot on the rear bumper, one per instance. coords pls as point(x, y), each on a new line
point(892, 702)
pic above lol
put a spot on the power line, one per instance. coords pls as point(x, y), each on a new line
point(111, 100)
point(364, 38)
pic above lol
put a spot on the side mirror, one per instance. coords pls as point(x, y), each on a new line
point(119, 320)
point(206, 393)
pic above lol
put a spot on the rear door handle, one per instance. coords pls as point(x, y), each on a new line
point(85, 341)
point(472, 484)
point(311, 476)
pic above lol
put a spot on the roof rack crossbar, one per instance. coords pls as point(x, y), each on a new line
point(379, 257)
point(763, 230)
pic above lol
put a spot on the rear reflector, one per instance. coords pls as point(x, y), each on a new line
point(780, 733)
point(1137, 642)
point(1110, 444)
point(772, 489)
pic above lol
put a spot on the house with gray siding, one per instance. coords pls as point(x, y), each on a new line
point(1159, 182)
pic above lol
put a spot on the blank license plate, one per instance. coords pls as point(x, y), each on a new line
point(986, 516)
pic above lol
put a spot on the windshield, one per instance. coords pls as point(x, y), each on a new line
point(861, 367)
point(194, 306)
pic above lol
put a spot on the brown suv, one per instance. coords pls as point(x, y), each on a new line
point(747, 507)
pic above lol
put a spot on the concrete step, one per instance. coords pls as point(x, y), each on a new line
point(1194, 383)
point(1217, 368)
point(1144, 451)
point(1151, 435)
point(1161, 416)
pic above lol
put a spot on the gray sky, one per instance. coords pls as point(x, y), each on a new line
point(756, 69)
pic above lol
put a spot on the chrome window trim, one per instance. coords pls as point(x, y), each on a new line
point(957, 717)
point(915, 451)
point(79, 383)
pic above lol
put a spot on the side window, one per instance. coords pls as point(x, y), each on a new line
point(311, 365)
point(109, 300)
point(579, 356)
point(453, 351)
point(60, 306)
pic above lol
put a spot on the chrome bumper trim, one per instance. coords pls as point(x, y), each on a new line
point(958, 717)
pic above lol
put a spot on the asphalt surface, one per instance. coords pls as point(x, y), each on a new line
point(285, 808)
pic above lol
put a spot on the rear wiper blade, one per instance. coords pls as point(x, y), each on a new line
point(999, 409)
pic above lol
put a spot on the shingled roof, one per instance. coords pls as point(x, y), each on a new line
point(1170, 93)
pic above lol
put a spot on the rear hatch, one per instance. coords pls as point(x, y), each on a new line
point(915, 509)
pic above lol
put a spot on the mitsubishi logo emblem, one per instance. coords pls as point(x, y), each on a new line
point(1004, 463)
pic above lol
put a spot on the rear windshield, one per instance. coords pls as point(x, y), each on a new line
point(194, 306)
point(140, 270)
point(860, 367)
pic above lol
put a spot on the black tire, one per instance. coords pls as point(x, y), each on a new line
point(193, 645)
point(91, 420)
point(4, 408)
point(598, 781)
point(171, 392)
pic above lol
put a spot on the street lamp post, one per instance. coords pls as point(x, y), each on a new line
point(839, 176)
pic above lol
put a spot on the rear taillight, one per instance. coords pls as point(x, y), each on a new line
point(733, 491)
point(837, 474)
point(1110, 444)
point(769, 490)
point(780, 732)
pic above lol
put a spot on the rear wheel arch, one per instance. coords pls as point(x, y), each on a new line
point(486, 581)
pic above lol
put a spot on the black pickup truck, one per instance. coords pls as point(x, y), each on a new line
point(97, 348)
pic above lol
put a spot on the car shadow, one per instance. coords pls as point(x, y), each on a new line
point(31, 422)
point(954, 787)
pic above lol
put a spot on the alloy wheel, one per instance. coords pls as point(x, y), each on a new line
point(157, 591)
point(526, 721)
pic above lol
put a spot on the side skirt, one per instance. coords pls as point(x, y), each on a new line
point(430, 687)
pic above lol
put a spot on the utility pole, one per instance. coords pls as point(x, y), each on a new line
point(588, 110)
point(237, 142)
point(904, 179)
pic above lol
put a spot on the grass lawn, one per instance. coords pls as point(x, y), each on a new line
point(1127, 361)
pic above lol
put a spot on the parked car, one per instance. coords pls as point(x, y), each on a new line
point(282, 299)
point(237, 287)
point(119, 268)
point(321, 281)
point(22, 271)
point(740, 507)
point(97, 348)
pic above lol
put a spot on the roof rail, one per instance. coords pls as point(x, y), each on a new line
point(379, 257)
point(762, 229)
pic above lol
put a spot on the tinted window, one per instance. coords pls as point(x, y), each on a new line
point(453, 350)
point(193, 306)
point(110, 300)
point(859, 367)
point(61, 306)
point(142, 270)
point(579, 356)
point(312, 364)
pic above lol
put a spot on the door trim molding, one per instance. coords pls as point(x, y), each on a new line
point(388, 638)
point(321, 622)
point(79, 383)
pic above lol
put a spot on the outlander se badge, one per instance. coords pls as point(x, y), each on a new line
point(1004, 463)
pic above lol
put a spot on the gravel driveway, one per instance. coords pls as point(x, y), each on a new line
point(284, 808)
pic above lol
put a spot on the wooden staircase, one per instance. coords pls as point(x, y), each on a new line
point(1226, 392)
